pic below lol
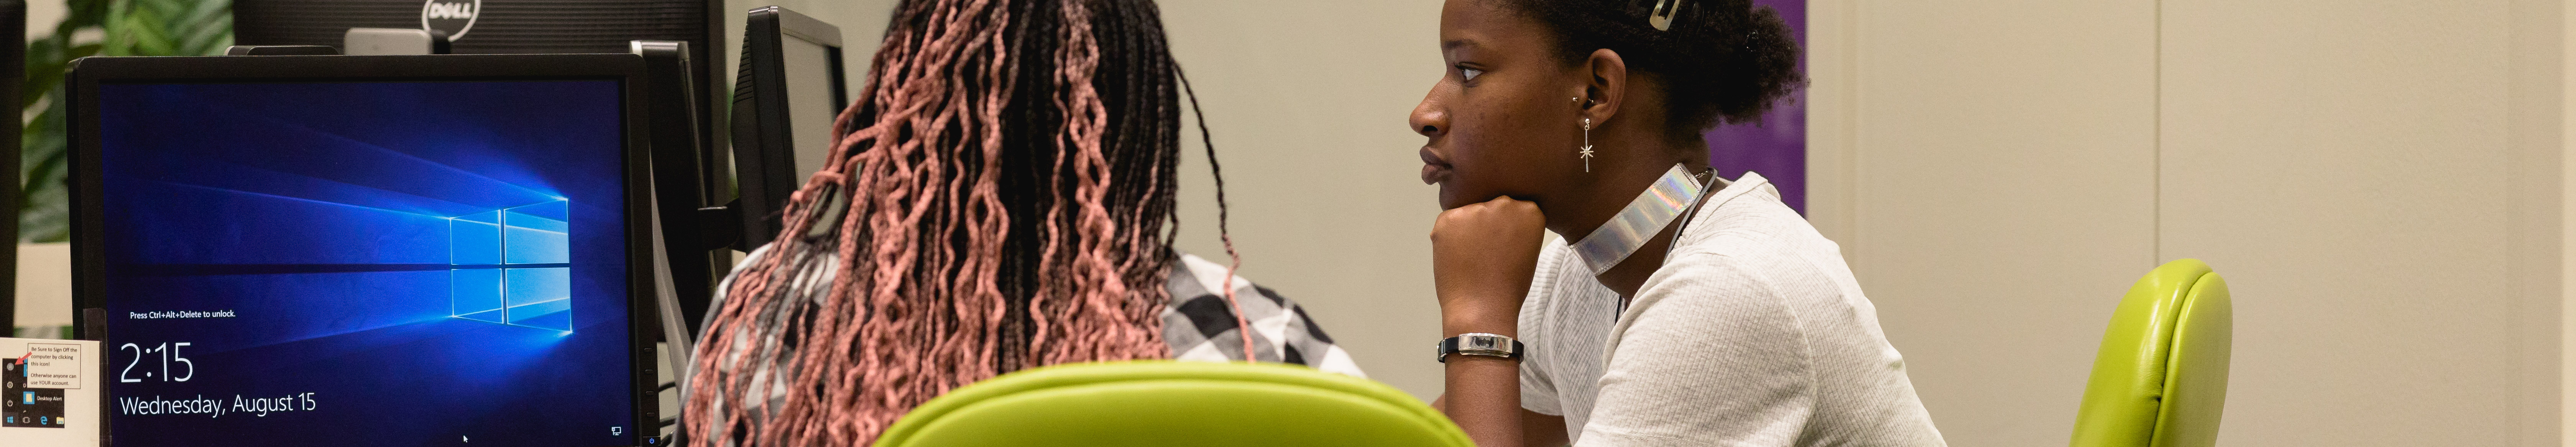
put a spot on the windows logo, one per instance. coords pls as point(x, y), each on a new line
point(512, 266)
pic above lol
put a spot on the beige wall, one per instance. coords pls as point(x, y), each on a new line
point(44, 289)
point(2378, 179)
point(2567, 221)
point(2356, 167)
point(1308, 101)
point(2000, 160)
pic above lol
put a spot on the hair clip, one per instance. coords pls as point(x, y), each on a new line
point(1662, 16)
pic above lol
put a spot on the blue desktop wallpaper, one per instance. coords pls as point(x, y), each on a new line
point(366, 264)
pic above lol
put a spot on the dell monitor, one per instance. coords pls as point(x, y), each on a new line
point(367, 250)
point(784, 101)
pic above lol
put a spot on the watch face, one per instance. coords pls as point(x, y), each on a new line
point(1490, 345)
point(1483, 342)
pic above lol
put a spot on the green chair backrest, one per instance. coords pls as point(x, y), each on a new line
point(2160, 379)
point(2162, 371)
point(1164, 403)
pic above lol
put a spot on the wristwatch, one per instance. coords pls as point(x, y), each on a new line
point(1479, 343)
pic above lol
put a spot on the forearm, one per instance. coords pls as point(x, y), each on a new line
point(1482, 258)
point(1482, 393)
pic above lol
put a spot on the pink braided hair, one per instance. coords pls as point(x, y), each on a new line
point(912, 219)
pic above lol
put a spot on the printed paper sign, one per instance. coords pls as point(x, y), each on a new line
point(49, 393)
point(51, 365)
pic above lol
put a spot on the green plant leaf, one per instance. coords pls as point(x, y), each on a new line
point(131, 28)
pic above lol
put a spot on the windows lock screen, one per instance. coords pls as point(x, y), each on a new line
point(365, 263)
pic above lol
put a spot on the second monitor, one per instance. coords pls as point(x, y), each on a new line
point(785, 98)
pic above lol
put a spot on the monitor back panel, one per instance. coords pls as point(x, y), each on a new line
point(482, 27)
point(786, 96)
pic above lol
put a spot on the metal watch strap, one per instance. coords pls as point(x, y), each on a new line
point(1479, 343)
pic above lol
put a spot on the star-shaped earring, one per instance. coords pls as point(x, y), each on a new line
point(1587, 145)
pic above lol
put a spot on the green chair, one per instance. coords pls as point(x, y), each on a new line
point(1163, 403)
point(2160, 379)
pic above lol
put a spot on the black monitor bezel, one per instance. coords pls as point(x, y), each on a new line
point(13, 79)
point(88, 211)
point(764, 135)
point(680, 186)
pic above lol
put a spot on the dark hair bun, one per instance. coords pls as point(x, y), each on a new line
point(1723, 61)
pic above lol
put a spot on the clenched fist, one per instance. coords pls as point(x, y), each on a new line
point(1482, 257)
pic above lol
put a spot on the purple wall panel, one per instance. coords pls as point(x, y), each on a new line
point(1776, 146)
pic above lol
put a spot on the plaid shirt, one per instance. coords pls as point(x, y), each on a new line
point(1201, 327)
point(1197, 323)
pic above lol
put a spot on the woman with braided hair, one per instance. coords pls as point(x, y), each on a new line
point(1672, 308)
point(1000, 197)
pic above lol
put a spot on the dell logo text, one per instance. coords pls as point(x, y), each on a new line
point(453, 17)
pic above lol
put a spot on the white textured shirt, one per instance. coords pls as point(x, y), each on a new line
point(1753, 333)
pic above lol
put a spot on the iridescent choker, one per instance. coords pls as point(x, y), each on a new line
point(1644, 217)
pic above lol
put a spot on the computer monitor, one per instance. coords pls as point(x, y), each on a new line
point(679, 191)
point(366, 250)
point(784, 101)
